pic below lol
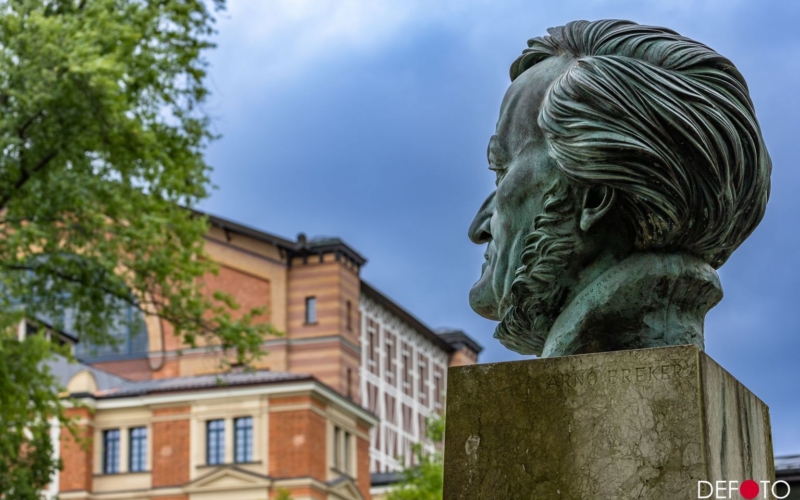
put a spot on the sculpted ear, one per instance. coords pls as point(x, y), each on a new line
point(597, 200)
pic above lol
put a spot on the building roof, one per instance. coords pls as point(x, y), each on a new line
point(199, 382)
point(303, 247)
point(787, 467)
point(64, 371)
point(385, 478)
point(112, 391)
point(406, 316)
point(320, 245)
point(112, 386)
point(448, 339)
point(459, 339)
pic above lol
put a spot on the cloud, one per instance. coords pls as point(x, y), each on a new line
point(291, 37)
point(368, 120)
point(274, 44)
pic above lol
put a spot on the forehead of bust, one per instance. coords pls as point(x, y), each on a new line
point(519, 111)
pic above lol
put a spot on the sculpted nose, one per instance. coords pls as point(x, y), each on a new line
point(479, 231)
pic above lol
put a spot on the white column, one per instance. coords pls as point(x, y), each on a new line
point(123, 449)
point(55, 438)
point(228, 441)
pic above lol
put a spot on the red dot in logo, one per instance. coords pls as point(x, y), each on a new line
point(749, 489)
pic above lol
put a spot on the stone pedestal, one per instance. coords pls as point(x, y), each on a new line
point(645, 424)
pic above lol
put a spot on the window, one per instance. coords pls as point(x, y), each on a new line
point(438, 385)
point(391, 414)
point(337, 436)
point(311, 310)
point(391, 443)
point(342, 450)
point(349, 316)
point(215, 442)
point(373, 356)
point(350, 383)
point(405, 456)
point(372, 398)
point(390, 357)
point(347, 453)
point(111, 451)
point(243, 444)
point(422, 368)
point(407, 371)
point(138, 449)
point(408, 420)
point(376, 438)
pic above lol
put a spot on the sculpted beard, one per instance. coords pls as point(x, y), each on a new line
point(536, 298)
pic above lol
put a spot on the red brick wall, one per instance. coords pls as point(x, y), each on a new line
point(464, 356)
point(362, 465)
point(296, 400)
point(77, 457)
point(171, 447)
point(133, 369)
point(171, 342)
point(248, 290)
point(297, 441)
point(170, 367)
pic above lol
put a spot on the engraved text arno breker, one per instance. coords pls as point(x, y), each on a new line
point(640, 374)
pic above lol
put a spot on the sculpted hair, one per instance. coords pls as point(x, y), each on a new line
point(666, 122)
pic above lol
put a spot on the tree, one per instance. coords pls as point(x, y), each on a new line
point(283, 494)
point(28, 402)
point(102, 134)
point(425, 478)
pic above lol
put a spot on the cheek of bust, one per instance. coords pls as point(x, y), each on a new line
point(514, 189)
point(519, 195)
point(515, 221)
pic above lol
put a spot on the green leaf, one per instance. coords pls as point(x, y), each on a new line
point(103, 133)
point(424, 480)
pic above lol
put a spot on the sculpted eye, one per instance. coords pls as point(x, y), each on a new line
point(499, 173)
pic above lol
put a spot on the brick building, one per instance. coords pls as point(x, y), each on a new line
point(233, 436)
point(341, 394)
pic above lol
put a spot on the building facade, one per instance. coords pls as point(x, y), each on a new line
point(404, 375)
point(233, 436)
point(349, 357)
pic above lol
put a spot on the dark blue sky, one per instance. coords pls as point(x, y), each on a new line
point(369, 121)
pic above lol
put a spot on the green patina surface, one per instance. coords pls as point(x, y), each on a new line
point(629, 165)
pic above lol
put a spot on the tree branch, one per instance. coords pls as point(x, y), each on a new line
point(25, 176)
point(22, 128)
point(204, 328)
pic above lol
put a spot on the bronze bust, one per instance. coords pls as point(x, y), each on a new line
point(629, 166)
